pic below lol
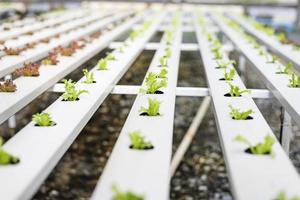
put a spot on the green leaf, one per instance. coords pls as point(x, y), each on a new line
point(119, 195)
point(43, 119)
point(138, 141)
point(153, 107)
point(102, 64)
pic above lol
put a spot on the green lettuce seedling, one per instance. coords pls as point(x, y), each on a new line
point(163, 61)
point(235, 91)
point(168, 52)
point(236, 114)
point(163, 73)
point(153, 108)
point(110, 56)
point(261, 51)
point(169, 37)
point(43, 119)
point(260, 148)
point(153, 84)
point(102, 64)
point(282, 38)
point(89, 76)
point(282, 196)
point(273, 60)
point(71, 94)
point(217, 55)
point(296, 47)
point(216, 46)
point(133, 35)
point(128, 195)
point(294, 81)
point(223, 64)
point(138, 141)
point(228, 76)
point(5, 157)
point(286, 69)
point(209, 37)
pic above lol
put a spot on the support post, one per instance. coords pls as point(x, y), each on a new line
point(286, 132)
point(242, 66)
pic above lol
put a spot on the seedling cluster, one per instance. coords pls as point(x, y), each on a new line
point(294, 81)
point(285, 70)
point(30, 69)
point(228, 76)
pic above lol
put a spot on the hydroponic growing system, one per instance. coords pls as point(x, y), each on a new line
point(36, 53)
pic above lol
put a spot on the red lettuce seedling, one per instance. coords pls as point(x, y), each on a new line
point(30, 45)
point(30, 69)
point(76, 45)
point(12, 52)
point(50, 60)
point(8, 86)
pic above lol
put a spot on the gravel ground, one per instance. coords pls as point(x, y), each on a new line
point(202, 173)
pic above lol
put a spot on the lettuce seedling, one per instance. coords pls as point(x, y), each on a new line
point(228, 76)
point(153, 108)
point(260, 148)
point(296, 47)
point(71, 94)
point(138, 141)
point(236, 114)
point(273, 60)
point(163, 61)
point(133, 35)
point(209, 37)
point(163, 73)
point(30, 45)
point(102, 64)
point(8, 86)
point(89, 76)
point(5, 157)
point(29, 69)
point(119, 195)
point(169, 37)
point(110, 56)
point(223, 64)
point(216, 46)
point(217, 55)
point(235, 91)
point(294, 81)
point(12, 52)
point(153, 84)
point(50, 60)
point(168, 52)
point(286, 69)
point(282, 196)
point(43, 119)
point(282, 38)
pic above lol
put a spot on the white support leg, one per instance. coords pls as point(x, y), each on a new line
point(242, 66)
point(287, 132)
point(12, 120)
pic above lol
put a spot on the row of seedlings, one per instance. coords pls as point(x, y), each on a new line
point(276, 41)
point(140, 160)
point(30, 38)
point(41, 144)
point(258, 167)
point(14, 59)
point(38, 77)
point(279, 78)
point(9, 32)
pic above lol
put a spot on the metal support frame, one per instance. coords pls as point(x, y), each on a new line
point(180, 91)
